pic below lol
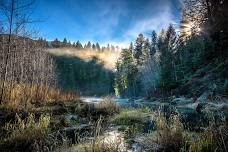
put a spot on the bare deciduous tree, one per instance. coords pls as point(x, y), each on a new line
point(23, 60)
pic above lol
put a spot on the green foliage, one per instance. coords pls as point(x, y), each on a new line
point(138, 50)
point(153, 43)
point(126, 75)
point(167, 47)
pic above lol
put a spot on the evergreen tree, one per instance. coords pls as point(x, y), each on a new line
point(126, 75)
point(98, 48)
point(146, 51)
point(94, 47)
point(64, 44)
point(79, 45)
point(167, 48)
point(74, 44)
point(153, 44)
point(138, 49)
point(89, 45)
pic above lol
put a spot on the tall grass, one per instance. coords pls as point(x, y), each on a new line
point(170, 134)
point(22, 96)
point(25, 133)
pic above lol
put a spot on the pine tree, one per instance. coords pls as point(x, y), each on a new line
point(89, 45)
point(94, 47)
point(79, 45)
point(126, 75)
point(138, 49)
point(98, 48)
point(153, 44)
point(167, 48)
point(146, 51)
point(64, 44)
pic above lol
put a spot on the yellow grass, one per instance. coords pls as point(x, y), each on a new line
point(22, 96)
point(107, 58)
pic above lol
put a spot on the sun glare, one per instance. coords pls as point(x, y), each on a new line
point(188, 28)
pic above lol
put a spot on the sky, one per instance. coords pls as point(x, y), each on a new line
point(105, 21)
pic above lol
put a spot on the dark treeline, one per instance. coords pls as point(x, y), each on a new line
point(78, 45)
point(176, 62)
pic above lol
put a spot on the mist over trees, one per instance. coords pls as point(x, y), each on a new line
point(169, 60)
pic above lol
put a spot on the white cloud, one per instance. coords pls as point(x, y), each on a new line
point(156, 21)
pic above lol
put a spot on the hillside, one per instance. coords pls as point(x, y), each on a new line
point(87, 72)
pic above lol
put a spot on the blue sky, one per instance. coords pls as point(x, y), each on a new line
point(103, 21)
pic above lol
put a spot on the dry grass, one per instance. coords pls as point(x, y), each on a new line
point(131, 116)
point(23, 96)
point(108, 105)
point(111, 141)
point(107, 58)
point(101, 146)
point(215, 138)
point(25, 134)
point(170, 134)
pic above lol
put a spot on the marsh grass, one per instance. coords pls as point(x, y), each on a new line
point(100, 142)
point(105, 108)
point(24, 97)
point(129, 117)
point(108, 106)
point(169, 134)
point(214, 138)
